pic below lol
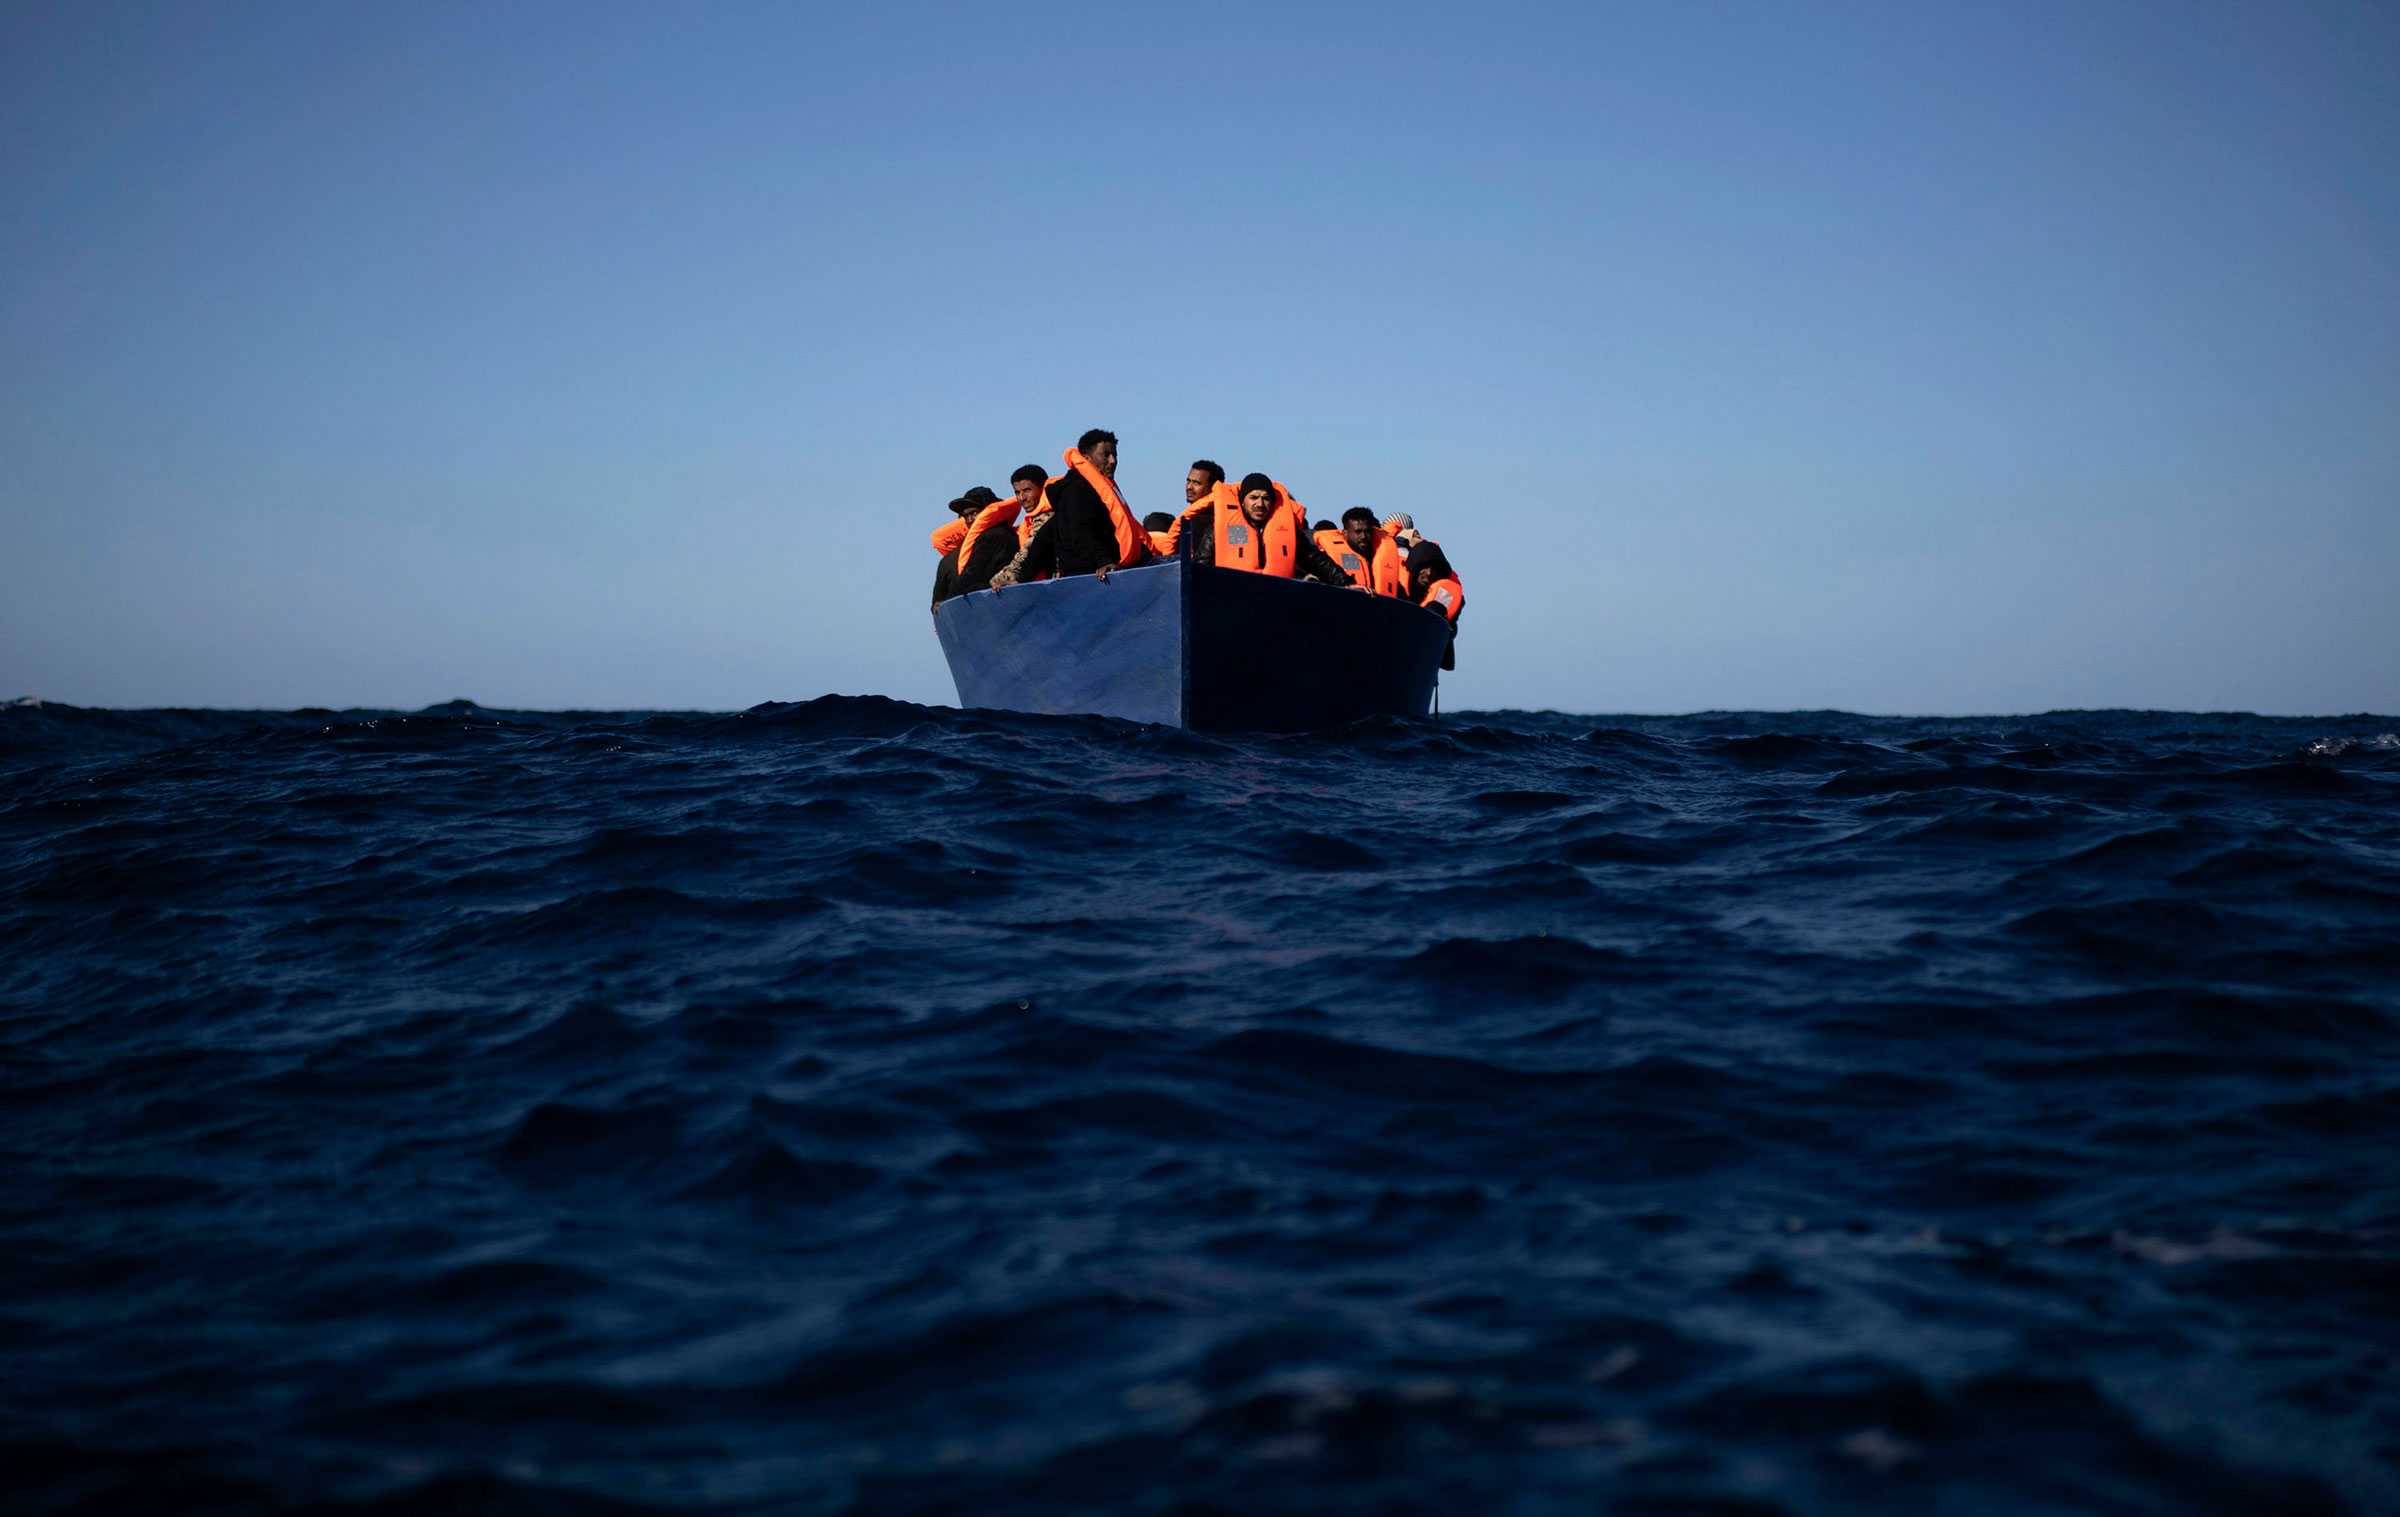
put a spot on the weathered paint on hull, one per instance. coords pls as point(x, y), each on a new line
point(1193, 646)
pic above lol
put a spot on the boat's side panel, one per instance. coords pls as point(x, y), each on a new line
point(1272, 654)
point(1072, 647)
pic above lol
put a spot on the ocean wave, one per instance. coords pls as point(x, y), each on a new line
point(852, 1105)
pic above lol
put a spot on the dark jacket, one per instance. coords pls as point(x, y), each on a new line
point(1077, 538)
point(990, 555)
point(1308, 560)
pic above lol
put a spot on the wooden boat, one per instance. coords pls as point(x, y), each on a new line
point(1192, 645)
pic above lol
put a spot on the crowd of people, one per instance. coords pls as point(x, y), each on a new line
point(1077, 522)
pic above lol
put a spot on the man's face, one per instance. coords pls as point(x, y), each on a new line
point(1196, 484)
point(1104, 458)
point(1028, 491)
point(1258, 505)
point(1361, 535)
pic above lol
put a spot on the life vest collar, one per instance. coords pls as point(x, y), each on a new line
point(1133, 542)
point(1218, 494)
point(1286, 501)
point(999, 513)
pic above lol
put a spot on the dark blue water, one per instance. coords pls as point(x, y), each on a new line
point(856, 1106)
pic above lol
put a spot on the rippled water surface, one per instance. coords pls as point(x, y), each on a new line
point(854, 1105)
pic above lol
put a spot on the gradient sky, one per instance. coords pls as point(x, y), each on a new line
point(1902, 358)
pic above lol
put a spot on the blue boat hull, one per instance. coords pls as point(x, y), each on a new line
point(1189, 645)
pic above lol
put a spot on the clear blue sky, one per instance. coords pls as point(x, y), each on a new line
point(1904, 358)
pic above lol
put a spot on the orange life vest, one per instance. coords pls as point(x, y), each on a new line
point(949, 535)
point(1162, 543)
point(1219, 494)
point(1133, 540)
point(1026, 524)
point(1381, 569)
point(1447, 596)
point(1288, 503)
point(1350, 560)
point(1270, 549)
point(999, 513)
point(1228, 494)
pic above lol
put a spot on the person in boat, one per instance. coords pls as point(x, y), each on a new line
point(1091, 530)
point(1028, 483)
point(1032, 489)
point(1201, 479)
point(992, 543)
point(952, 535)
point(1328, 538)
point(995, 531)
point(946, 539)
point(1406, 537)
point(999, 532)
point(1028, 506)
point(1263, 535)
point(1161, 527)
point(1437, 589)
point(1366, 553)
point(1435, 582)
point(1203, 488)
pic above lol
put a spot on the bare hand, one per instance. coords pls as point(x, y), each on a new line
point(1103, 572)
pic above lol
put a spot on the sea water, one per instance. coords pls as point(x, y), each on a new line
point(860, 1106)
